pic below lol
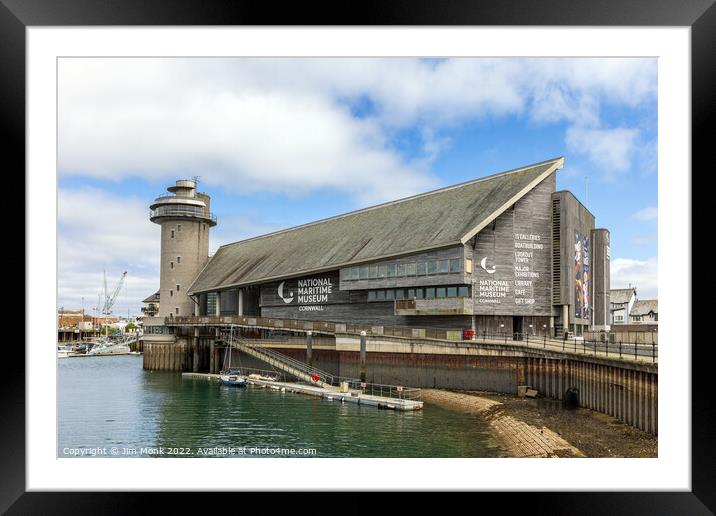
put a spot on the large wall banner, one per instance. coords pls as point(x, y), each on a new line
point(582, 276)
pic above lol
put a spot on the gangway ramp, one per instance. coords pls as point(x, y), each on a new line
point(289, 365)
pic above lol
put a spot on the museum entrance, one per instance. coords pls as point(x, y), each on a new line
point(517, 327)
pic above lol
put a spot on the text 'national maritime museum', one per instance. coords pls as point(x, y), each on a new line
point(505, 253)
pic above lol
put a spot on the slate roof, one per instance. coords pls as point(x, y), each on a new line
point(436, 219)
point(644, 306)
point(621, 295)
point(154, 298)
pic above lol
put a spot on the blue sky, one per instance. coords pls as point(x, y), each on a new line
point(280, 142)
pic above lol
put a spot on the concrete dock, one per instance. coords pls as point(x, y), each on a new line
point(320, 392)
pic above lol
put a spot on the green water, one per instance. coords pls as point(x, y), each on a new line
point(110, 406)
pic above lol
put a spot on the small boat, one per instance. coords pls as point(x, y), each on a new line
point(64, 351)
point(232, 377)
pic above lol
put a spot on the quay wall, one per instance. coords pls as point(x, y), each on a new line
point(626, 390)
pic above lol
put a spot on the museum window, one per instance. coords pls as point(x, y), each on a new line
point(363, 272)
point(463, 291)
point(455, 265)
point(440, 292)
point(451, 292)
point(422, 268)
point(410, 269)
point(399, 293)
point(418, 293)
point(382, 271)
point(468, 265)
point(443, 266)
point(380, 295)
point(389, 294)
point(371, 295)
point(344, 274)
point(391, 270)
point(401, 270)
point(211, 303)
point(372, 271)
point(430, 293)
point(411, 293)
point(432, 267)
point(355, 273)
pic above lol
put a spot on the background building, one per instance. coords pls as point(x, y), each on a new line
point(622, 301)
point(151, 305)
point(645, 311)
point(501, 254)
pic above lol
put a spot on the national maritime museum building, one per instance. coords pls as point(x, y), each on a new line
point(502, 254)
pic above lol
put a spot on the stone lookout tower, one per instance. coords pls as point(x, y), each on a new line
point(185, 218)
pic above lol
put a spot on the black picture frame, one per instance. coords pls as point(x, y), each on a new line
point(700, 15)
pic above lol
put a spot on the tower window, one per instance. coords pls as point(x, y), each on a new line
point(177, 288)
point(171, 265)
point(177, 310)
point(171, 293)
point(172, 233)
point(178, 227)
point(178, 259)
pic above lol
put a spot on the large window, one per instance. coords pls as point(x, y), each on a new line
point(443, 266)
point(410, 269)
point(422, 268)
point(455, 265)
point(419, 293)
point(372, 271)
point(432, 267)
point(391, 270)
point(363, 272)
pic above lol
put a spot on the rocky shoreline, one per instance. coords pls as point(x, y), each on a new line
point(543, 428)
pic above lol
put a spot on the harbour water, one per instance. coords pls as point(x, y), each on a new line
point(110, 406)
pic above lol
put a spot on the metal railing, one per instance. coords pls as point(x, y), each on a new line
point(621, 349)
point(181, 211)
point(618, 349)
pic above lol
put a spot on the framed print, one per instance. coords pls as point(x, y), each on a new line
point(419, 250)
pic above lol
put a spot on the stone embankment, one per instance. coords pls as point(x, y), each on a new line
point(519, 438)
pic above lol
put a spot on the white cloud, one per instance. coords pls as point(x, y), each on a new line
point(642, 274)
point(649, 213)
point(610, 149)
point(99, 231)
point(287, 125)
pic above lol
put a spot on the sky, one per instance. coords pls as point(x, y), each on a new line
point(281, 142)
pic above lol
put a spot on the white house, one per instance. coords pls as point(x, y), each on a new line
point(621, 302)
